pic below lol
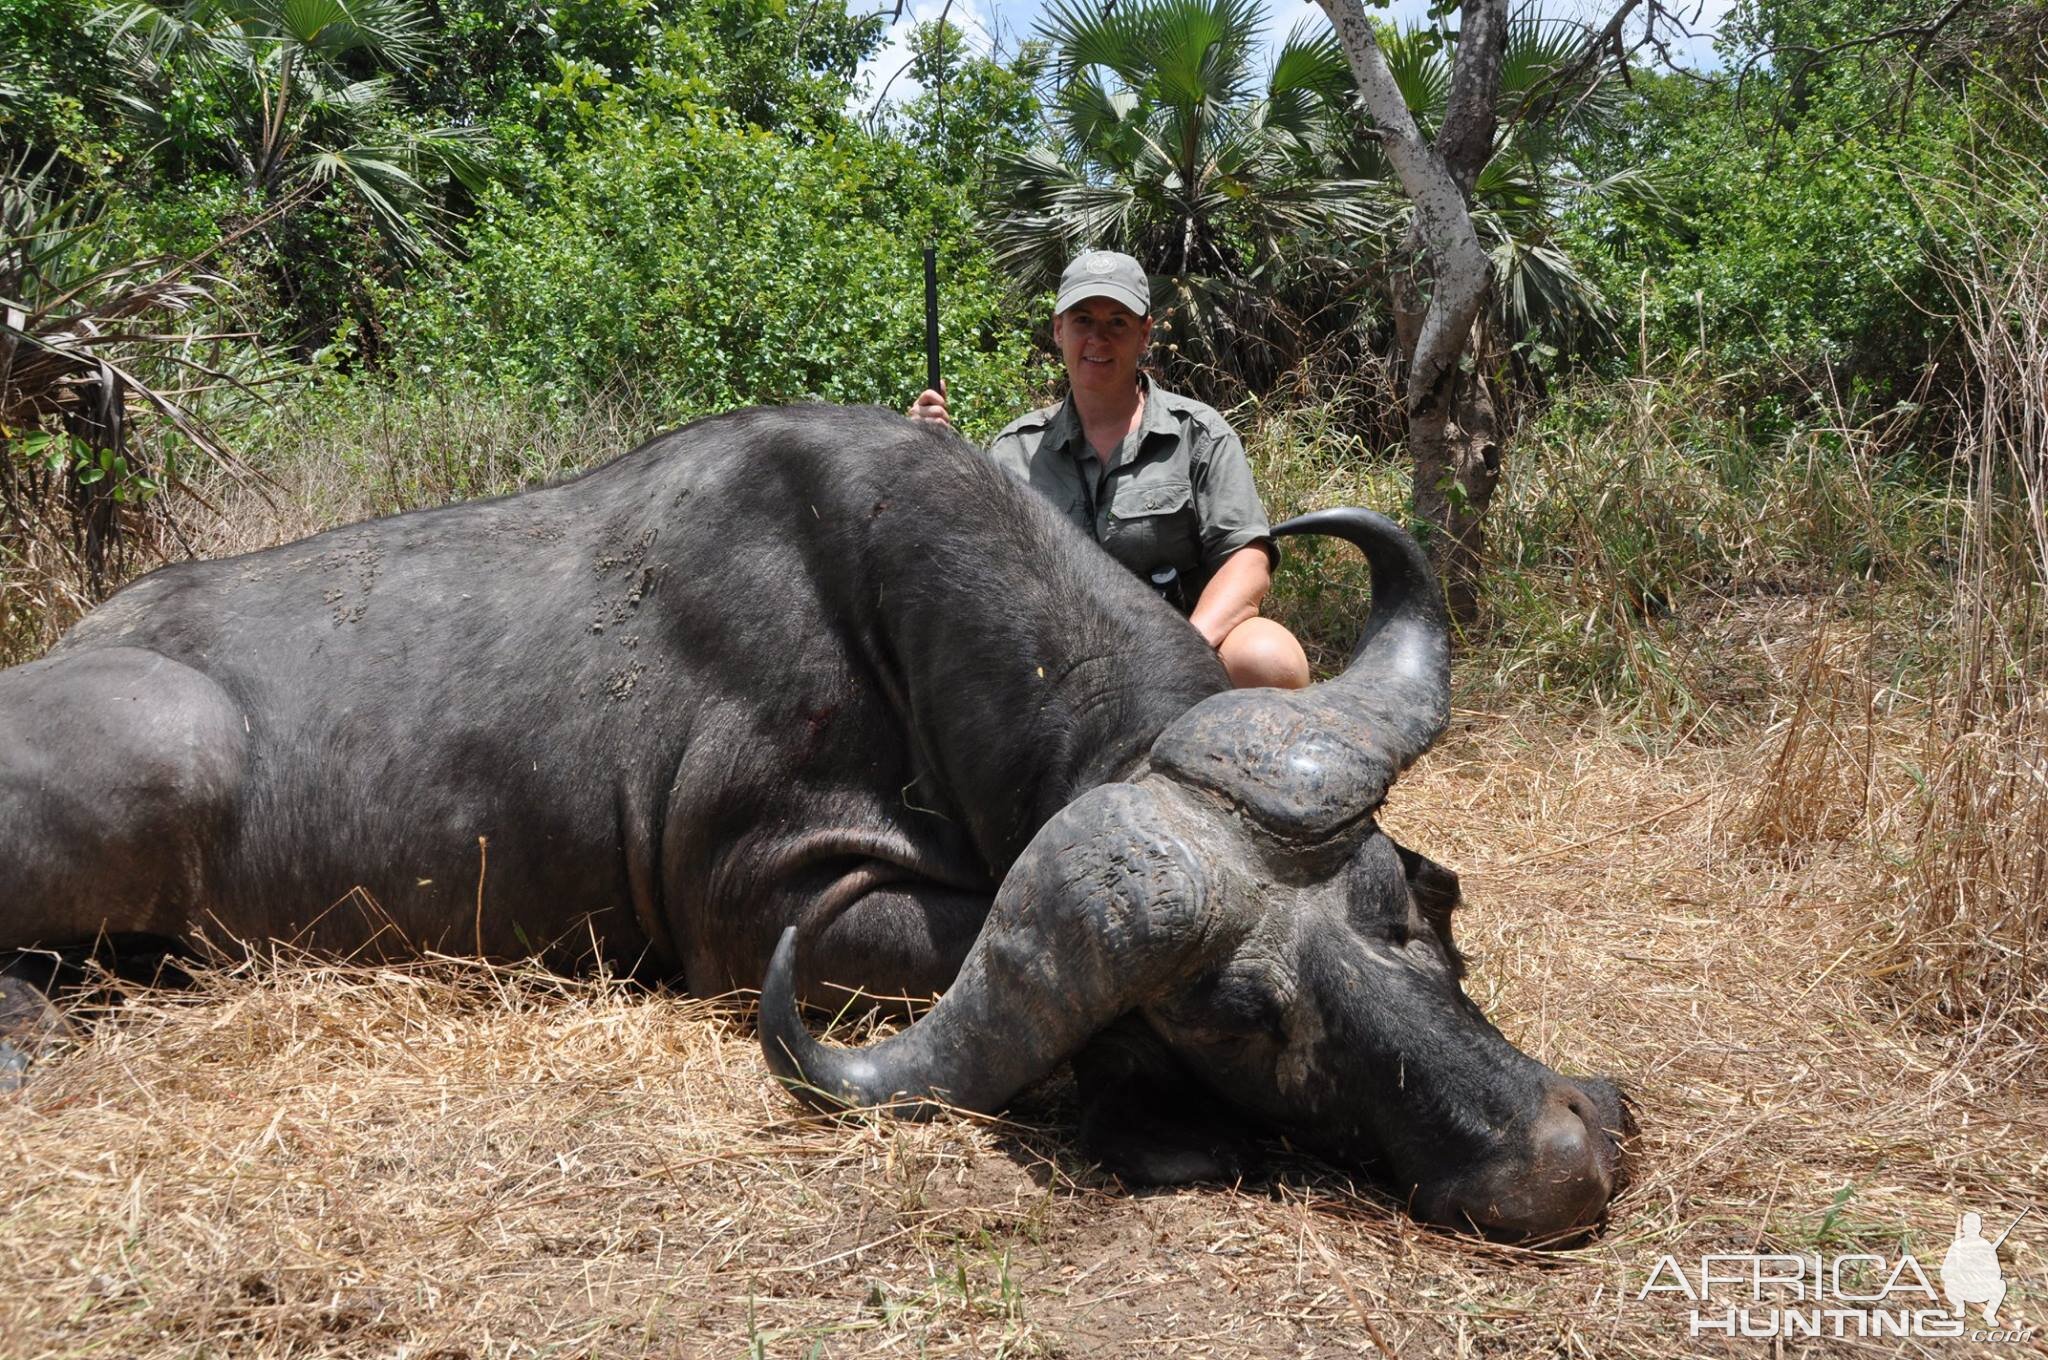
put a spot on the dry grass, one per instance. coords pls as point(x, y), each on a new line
point(1979, 880)
point(302, 1160)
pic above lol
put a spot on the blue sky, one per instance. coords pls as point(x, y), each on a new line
point(990, 23)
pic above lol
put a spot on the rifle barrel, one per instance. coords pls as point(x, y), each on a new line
point(931, 318)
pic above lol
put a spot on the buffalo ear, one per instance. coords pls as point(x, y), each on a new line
point(1435, 887)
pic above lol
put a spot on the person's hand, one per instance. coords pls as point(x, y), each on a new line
point(931, 406)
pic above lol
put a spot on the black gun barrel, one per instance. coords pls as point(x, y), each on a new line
point(931, 318)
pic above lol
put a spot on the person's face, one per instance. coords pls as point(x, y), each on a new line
point(1101, 341)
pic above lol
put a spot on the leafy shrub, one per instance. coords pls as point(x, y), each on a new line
point(52, 105)
point(720, 266)
point(1796, 257)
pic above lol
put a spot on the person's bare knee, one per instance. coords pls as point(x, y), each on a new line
point(1260, 652)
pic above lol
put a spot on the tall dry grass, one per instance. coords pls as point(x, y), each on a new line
point(1651, 547)
point(1942, 769)
point(1978, 884)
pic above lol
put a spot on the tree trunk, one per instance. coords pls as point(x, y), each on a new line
point(1454, 446)
point(1438, 292)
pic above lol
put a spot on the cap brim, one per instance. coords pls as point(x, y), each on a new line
point(1094, 288)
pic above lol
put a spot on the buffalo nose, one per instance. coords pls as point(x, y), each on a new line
point(1562, 1175)
point(1571, 1175)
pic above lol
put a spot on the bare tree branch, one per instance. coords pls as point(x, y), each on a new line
point(1443, 220)
point(1465, 141)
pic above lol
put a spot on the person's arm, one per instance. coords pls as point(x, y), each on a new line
point(1235, 536)
point(931, 406)
point(1233, 593)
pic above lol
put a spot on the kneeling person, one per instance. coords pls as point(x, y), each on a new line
point(1158, 479)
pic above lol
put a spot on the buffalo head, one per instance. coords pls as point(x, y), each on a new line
point(1237, 892)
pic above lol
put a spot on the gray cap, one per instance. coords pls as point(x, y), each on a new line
point(1107, 274)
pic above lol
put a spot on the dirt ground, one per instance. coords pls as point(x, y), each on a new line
point(309, 1160)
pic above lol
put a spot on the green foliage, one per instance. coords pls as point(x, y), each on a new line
point(974, 111)
point(772, 63)
point(1795, 245)
point(719, 266)
point(786, 64)
point(52, 102)
point(485, 56)
point(281, 94)
point(297, 106)
point(1164, 143)
point(1799, 257)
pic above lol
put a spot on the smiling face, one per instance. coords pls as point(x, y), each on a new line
point(1101, 341)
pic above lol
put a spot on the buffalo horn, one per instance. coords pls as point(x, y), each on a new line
point(1400, 671)
point(1103, 911)
point(1308, 764)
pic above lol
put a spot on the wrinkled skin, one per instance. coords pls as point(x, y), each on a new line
point(1325, 1007)
point(1351, 992)
point(821, 695)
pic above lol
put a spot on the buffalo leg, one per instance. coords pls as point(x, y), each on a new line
point(119, 773)
point(1146, 1118)
point(903, 941)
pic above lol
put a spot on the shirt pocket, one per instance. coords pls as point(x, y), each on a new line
point(1153, 525)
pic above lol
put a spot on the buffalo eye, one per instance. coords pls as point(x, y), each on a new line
point(1224, 1006)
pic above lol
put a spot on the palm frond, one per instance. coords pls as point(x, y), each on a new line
point(1198, 51)
point(1416, 57)
point(83, 334)
point(463, 154)
point(395, 33)
point(1309, 76)
point(1096, 119)
point(1310, 61)
point(1542, 296)
point(376, 176)
point(1085, 33)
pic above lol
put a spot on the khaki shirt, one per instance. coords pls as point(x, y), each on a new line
point(1178, 492)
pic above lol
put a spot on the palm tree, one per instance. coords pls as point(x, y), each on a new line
point(281, 99)
point(1162, 142)
point(91, 338)
point(1542, 303)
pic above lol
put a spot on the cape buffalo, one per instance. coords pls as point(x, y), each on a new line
point(819, 696)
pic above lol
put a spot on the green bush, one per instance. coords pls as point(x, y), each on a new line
point(52, 100)
point(719, 266)
point(1795, 257)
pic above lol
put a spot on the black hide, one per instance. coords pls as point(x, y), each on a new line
point(806, 666)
